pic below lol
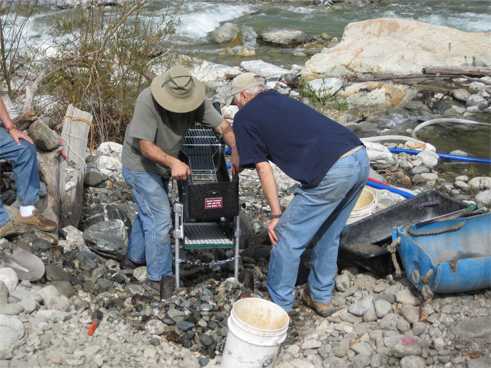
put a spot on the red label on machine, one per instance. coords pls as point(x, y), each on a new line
point(211, 203)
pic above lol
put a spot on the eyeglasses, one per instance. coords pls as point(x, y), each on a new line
point(179, 76)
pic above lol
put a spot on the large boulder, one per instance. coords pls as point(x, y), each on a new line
point(282, 37)
point(398, 47)
point(227, 34)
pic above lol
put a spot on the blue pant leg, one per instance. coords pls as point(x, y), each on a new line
point(297, 226)
point(326, 241)
point(154, 223)
point(25, 170)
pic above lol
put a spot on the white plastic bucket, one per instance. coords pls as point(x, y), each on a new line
point(256, 329)
point(365, 206)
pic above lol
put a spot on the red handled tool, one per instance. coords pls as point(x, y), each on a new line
point(69, 161)
point(96, 319)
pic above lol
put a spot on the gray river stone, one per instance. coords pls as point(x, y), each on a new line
point(382, 308)
point(20, 294)
point(412, 362)
point(482, 362)
point(11, 330)
point(406, 346)
point(155, 327)
point(12, 309)
point(108, 238)
point(283, 37)
point(475, 328)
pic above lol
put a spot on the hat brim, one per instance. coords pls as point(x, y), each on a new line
point(176, 104)
point(236, 90)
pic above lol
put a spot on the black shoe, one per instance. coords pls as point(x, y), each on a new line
point(128, 264)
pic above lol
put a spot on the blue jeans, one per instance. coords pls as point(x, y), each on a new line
point(25, 167)
point(319, 213)
point(150, 240)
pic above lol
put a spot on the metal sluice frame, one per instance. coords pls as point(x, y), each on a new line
point(219, 242)
point(203, 151)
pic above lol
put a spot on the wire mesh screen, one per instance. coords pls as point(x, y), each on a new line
point(201, 146)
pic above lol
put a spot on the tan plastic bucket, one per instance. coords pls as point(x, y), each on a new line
point(365, 206)
point(256, 329)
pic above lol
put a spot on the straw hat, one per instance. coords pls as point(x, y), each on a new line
point(177, 90)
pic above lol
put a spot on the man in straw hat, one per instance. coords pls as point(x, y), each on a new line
point(163, 113)
point(332, 166)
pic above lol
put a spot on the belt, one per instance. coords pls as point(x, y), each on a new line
point(351, 151)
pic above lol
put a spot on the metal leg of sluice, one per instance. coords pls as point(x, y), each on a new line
point(237, 244)
point(178, 234)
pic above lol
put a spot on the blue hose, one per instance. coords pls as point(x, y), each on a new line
point(443, 155)
point(390, 189)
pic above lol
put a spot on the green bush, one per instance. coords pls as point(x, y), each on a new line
point(103, 58)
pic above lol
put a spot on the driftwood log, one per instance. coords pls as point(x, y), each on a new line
point(475, 71)
point(49, 169)
point(76, 128)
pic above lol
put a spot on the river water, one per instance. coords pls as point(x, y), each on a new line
point(200, 18)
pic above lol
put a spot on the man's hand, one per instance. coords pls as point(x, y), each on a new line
point(234, 163)
point(271, 233)
point(179, 170)
point(18, 134)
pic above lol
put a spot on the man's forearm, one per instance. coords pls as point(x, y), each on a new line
point(225, 129)
point(268, 183)
point(154, 153)
point(4, 116)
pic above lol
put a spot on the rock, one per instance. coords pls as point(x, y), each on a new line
point(480, 183)
point(4, 293)
point(325, 87)
point(12, 309)
point(482, 362)
point(155, 327)
point(380, 156)
point(246, 51)
point(412, 362)
point(56, 273)
point(108, 238)
point(107, 148)
point(412, 45)
point(484, 197)
point(263, 69)
point(11, 331)
point(43, 137)
point(382, 308)
point(9, 278)
point(406, 346)
point(461, 94)
point(475, 100)
point(475, 327)
point(405, 296)
point(430, 159)
point(282, 37)
point(228, 34)
point(410, 313)
point(376, 94)
point(93, 178)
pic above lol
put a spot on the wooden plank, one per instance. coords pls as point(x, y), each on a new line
point(478, 71)
point(74, 138)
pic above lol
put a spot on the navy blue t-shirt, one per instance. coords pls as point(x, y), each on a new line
point(299, 140)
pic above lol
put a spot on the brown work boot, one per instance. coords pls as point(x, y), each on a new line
point(128, 264)
point(36, 220)
point(7, 229)
point(323, 310)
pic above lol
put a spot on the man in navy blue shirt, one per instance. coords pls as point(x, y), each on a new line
point(332, 166)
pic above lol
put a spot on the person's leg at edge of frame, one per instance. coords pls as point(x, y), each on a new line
point(25, 167)
point(324, 255)
point(155, 218)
